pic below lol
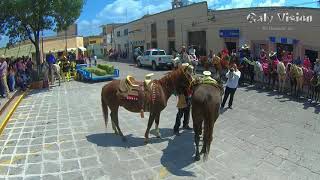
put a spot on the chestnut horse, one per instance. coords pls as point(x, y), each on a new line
point(155, 99)
point(206, 100)
point(314, 88)
point(296, 78)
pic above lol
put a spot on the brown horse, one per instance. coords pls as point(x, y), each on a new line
point(156, 97)
point(206, 100)
point(314, 88)
point(296, 78)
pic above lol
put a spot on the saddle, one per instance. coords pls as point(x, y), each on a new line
point(132, 90)
point(207, 80)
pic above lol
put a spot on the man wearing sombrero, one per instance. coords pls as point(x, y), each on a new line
point(183, 105)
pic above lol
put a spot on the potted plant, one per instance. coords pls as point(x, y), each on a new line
point(37, 80)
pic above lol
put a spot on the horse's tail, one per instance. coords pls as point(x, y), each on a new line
point(208, 129)
point(104, 110)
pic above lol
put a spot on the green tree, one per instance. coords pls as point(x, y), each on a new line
point(25, 19)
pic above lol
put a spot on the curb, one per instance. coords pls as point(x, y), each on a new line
point(8, 102)
point(8, 116)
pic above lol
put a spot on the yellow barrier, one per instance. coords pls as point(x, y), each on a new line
point(8, 116)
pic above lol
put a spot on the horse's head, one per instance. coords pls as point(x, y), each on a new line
point(184, 78)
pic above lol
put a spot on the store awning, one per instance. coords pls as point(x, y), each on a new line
point(82, 48)
point(71, 49)
point(283, 40)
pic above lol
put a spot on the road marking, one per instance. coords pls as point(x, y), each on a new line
point(6, 119)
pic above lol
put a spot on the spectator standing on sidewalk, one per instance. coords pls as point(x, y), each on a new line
point(233, 76)
point(3, 76)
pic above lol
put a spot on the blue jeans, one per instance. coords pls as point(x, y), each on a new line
point(12, 82)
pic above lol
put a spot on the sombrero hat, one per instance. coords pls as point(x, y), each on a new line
point(262, 50)
point(271, 54)
point(207, 73)
point(245, 46)
point(190, 69)
point(185, 64)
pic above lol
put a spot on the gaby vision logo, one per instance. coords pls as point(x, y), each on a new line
point(282, 17)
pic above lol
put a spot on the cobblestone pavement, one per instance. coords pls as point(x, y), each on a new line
point(60, 134)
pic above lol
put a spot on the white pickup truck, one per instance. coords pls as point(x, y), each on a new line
point(155, 58)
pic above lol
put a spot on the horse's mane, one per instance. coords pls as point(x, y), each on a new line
point(168, 82)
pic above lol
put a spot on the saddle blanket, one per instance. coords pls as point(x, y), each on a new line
point(132, 98)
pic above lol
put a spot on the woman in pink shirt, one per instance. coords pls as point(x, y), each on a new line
point(307, 63)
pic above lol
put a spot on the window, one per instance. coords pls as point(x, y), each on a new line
point(154, 31)
point(147, 53)
point(125, 32)
point(119, 47)
point(118, 33)
point(154, 52)
point(92, 42)
point(148, 45)
point(171, 28)
point(161, 53)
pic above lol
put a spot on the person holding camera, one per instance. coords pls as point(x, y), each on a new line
point(233, 76)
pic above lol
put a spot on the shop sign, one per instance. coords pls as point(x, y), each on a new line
point(282, 17)
point(229, 33)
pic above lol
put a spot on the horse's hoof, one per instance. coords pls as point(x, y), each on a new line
point(197, 158)
point(146, 141)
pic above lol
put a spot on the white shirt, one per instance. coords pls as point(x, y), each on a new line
point(192, 51)
point(95, 57)
point(233, 79)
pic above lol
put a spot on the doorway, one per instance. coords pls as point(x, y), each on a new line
point(172, 47)
point(231, 46)
point(313, 55)
point(283, 47)
point(199, 41)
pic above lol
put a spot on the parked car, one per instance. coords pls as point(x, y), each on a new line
point(156, 58)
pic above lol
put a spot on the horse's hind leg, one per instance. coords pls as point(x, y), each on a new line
point(197, 130)
point(150, 122)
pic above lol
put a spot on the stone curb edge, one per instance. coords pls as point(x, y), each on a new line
point(8, 116)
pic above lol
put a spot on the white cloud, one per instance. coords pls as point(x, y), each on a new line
point(237, 4)
point(122, 11)
point(269, 3)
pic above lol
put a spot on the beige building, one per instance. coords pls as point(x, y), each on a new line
point(53, 44)
point(293, 29)
point(108, 35)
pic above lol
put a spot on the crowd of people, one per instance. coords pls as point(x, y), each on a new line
point(15, 73)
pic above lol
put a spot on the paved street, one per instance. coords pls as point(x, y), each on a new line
point(60, 134)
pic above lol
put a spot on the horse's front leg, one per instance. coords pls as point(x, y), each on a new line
point(157, 120)
point(150, 122)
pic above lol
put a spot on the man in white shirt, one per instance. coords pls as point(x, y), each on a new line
point(233, 76)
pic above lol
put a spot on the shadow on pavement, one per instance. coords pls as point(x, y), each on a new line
point(112, 140)
point(179, 154)
point(281, 97)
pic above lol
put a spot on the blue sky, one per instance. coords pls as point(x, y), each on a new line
point(98, 12)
